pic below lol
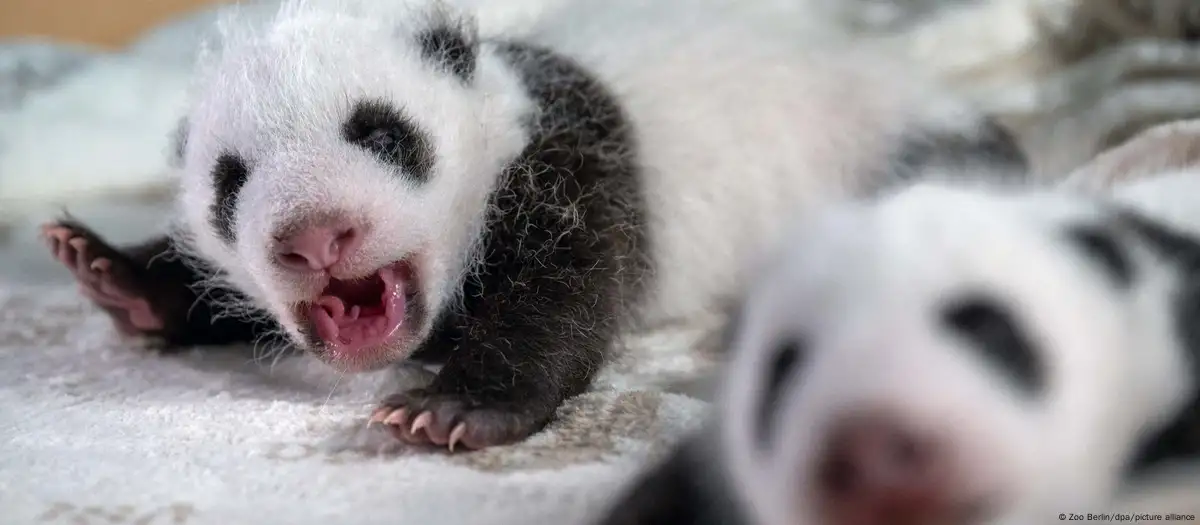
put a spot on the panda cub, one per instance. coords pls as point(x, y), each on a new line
point(953, 354)
point(376, 182)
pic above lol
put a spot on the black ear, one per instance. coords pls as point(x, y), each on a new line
point(451, 43)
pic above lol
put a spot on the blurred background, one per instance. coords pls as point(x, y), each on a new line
point(90, 90)
point(111, 24)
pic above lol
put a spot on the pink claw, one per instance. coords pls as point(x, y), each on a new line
point(457, 434)
point(422, 421)
point(396, 417)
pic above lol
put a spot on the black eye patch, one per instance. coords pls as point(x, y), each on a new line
point(1102, 247)
point(383, 130)
point(785, 361)
point(989, 328)
point(229, 174)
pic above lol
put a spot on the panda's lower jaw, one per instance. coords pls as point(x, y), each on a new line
point(356, 323)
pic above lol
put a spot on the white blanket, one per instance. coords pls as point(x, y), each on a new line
point(95, 430)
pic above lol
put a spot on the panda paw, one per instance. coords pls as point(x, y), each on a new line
point(103, 274)
point(421, 417)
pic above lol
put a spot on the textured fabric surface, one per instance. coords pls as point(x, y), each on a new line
point(96, 429)
point(1071, 77)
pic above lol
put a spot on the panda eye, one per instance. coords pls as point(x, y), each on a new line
point(381, 140)
point(229, 174)
point(383, 130)
point(990, 329)
point(785, 361)
point(1103, 249)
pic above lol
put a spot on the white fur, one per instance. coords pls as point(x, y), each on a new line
point(862, 284)
point(741, 124)
point(740, 120)
point(280, 97)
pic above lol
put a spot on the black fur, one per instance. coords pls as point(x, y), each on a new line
point(380, 128)
point(543, 308)
point(787, 358)
point(1104, 248)
point(451, 49)
point(229, 174)
point(563, 253)
point(1180, 438)
point(989, 327)
point(687, 488)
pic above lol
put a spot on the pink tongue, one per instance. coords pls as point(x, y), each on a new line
point(348, 330)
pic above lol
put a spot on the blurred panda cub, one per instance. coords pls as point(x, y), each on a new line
point(953, 354)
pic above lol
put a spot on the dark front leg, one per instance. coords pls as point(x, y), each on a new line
point(504, 379)
point(689, 487)
point(563, 252)
point(539, 316)
point(146, 289)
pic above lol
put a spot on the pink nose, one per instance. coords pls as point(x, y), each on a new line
point(318, 247)
point(875, 471)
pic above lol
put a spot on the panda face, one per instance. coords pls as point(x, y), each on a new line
point(944, 355)
point(336, 165)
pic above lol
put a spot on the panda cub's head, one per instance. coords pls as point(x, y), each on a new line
point(943, 355)
point(335, 166)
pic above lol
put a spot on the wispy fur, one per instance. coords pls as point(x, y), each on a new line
point(577, 182)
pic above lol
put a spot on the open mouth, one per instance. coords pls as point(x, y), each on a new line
point(354, 317)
